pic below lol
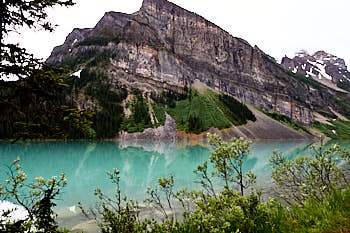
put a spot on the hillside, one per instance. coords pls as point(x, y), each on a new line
point(152, 59)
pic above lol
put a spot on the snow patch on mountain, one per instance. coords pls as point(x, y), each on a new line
point(322, 67)
point(74, 42)
point(77, 73)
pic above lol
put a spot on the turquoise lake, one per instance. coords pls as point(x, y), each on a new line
point(85, 164)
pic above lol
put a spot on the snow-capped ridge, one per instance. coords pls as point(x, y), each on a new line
point(321, 66)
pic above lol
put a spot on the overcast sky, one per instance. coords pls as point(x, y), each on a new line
point(278, 27)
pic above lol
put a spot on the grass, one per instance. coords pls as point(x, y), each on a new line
point(201, 107)
point(206, 111)
point(329, 215)
point(341, 128)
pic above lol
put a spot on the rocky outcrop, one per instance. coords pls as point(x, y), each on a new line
point(322, 67)
point(167, 133)
point(163, 46)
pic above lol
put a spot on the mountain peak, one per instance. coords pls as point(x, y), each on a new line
point(163, 46)
point(146, 3)
point(321, 66)
point(302, 53)
point(321, 53)
point(153, 6)
point(166, 11)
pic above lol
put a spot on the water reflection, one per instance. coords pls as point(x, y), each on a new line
point(86, 163)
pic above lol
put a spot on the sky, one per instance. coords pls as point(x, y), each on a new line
point(278, 27)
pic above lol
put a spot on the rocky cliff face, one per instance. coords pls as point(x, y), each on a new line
point(163, 46)
point(166, 133)
point(323, 67)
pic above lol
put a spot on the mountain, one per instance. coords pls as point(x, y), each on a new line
point(168, 60)
point(322, 67)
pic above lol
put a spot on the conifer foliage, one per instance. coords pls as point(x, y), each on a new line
point(34, 106)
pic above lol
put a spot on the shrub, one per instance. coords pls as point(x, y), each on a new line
point(307, 177)
point(230, 211)
point(36, 198)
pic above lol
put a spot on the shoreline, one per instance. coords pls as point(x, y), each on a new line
point(183, 138)
point(182, 142)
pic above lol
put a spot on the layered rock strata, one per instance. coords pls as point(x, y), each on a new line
point(163, 46)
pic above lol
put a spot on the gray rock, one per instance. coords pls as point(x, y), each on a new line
point(164, 46)
point(166, 133)
point(323, 67)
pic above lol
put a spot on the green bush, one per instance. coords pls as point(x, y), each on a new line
point(230, 211)
point(331, 214)
point(305, 177)
point(238, 113)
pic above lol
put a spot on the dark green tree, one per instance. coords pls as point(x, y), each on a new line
point(194, 124)
point(36, 197)
point(34, 106)
point(16, 61)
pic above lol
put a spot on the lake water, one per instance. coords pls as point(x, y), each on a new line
point(85, 164)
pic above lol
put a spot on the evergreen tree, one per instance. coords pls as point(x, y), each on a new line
point(34, 106)
point(16, 61)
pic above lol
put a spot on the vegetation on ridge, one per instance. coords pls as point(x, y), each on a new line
point(193, 112)
point(203, 111)
point(99, 41)
point(140, 116)
point(338, 129)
